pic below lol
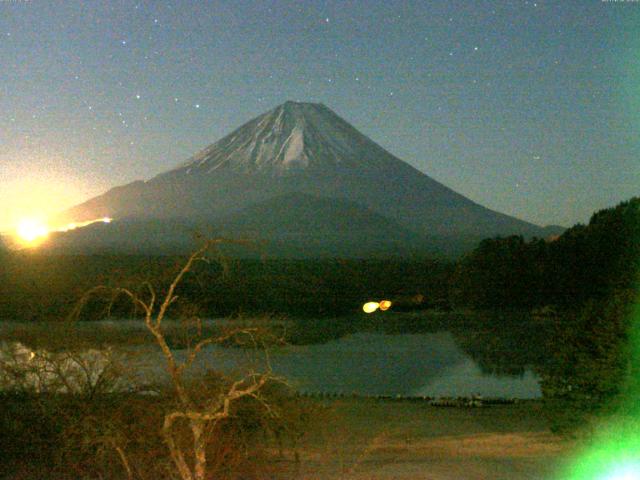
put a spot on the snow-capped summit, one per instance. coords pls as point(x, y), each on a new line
point(293, 136)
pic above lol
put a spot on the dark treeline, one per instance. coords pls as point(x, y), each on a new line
point(585, 283)
point(586, 262)
point(565, 302)
point(39, 287)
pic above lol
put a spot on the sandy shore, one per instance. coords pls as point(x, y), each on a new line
point(369, 439)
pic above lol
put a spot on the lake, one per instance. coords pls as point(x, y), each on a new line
point(365, 363)
point(372, 364)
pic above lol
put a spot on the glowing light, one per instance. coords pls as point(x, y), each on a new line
point(31, 230)
point(629, 471)
point(385, 305)
point(370, 307)
point(615, 451)
point(73, 225)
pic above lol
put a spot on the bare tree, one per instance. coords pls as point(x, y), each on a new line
point(200, 416)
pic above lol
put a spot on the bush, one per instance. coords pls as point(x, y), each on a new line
point(589, 363)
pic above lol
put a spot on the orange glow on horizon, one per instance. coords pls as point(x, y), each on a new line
point(32, 232)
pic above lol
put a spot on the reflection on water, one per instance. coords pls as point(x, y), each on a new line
point(493, 362)
point(406, 364)
point(371, 364)
point(467, 379)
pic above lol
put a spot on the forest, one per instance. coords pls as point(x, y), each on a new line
point(572, 297)
point(585, 284)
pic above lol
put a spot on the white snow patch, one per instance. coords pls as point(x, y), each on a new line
point(294, 146)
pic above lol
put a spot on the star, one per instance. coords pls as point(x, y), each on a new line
point(138, 96)
point(197, 105)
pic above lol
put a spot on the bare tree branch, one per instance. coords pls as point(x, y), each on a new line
point(198, 418)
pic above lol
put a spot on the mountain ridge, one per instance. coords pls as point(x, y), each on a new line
point(309, 149)
point(290, 137)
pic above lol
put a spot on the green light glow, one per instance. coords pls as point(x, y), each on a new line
point(626, 471)
point(615, 451)
point(615, 457)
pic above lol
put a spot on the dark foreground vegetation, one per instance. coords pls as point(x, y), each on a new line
point(39, 287)
point(117, 436)
point(95, 419)
point(563, 306)
point(585, 283)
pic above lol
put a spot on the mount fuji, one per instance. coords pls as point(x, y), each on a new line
point(303, 179)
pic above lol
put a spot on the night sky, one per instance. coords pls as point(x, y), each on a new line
point(531, 108)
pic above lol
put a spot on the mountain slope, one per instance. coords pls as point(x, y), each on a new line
point(300, 225)
point(301, 148)
point(293, 225)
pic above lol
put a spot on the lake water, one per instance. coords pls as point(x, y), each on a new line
point(373, 364)
point(424, 364)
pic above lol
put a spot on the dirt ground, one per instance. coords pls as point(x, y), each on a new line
point(374, 439)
